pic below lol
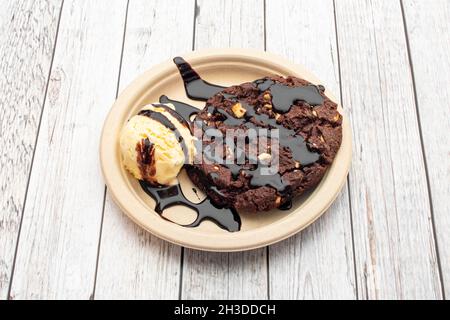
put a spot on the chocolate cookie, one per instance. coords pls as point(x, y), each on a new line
point(309, 135)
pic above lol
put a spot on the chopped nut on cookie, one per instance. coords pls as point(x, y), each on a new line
point(238, 110)
point(265, 158)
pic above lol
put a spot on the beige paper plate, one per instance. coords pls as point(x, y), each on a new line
point(225, 67)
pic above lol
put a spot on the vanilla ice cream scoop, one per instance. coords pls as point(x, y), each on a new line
point(156, 143)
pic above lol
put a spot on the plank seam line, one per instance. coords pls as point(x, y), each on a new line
point(228, 275)
point(34, 153)
point(416, 102)
point(265, 24)
point(348, 180)
point(92, 297)
point(267, 248)
point(180, 285)
point(196, 11)
point(268, 270)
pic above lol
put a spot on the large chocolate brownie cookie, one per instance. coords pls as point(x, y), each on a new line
point(310, 135)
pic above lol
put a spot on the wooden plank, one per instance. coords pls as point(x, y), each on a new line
point(57, 249)
point(222, 275)
point(394, 244)
point(236, 23)
point(217, 275)
point(318, 262)
point(27, 37)
point(428, 25)
point(132, 263)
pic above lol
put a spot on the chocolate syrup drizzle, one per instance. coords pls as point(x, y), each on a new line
point(168, 196)
point(196, 87)
point(145, 157)
point(283, 97)
point(287, 137)
point(166, 122)
point(183, 109)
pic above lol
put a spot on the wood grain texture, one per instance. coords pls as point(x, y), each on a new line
point(318, 262)
point(57, 249)
point(221, 275)
point(134, 264)
point(428, 26)
point(225, 23)
point(216, 275)
point(27, 37)
point(62, 209)
point(393, 236)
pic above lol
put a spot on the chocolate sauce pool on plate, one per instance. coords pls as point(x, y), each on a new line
point(183, 109)
point(168, 196)
point(283, 97)
point(196, 87)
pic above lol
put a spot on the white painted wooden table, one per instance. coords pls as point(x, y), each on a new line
point(62, 64)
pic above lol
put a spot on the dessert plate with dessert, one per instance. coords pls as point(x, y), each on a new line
point(225, 150)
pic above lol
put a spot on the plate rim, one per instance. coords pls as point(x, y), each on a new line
point(227, 242)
